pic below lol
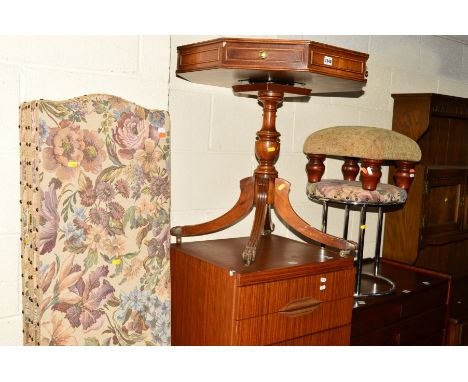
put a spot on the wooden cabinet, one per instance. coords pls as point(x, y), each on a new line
point(443, 217)
point(416, 314)
point(294, 294)
point(431, 230)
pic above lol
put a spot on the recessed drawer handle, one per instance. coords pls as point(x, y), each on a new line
point(300, 307)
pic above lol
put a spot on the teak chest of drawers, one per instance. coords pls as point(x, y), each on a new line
point(294, 294)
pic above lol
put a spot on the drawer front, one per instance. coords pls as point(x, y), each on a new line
point(367, 319)
point(416, 330)
point(333, 337)
point(291, 56)
point(277, 327)
point(425, 300)
point(388, 336)
point(329, 60)
point(298, 293)
point(436, 339)
point(423, 326)
point(196, 58)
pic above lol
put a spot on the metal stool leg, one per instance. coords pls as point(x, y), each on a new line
point(362, 234)
point(375, 276)
point(378, 242)
point(346, 222)
point(324, 216)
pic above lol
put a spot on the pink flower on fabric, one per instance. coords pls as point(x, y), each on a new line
point(130, 133)
point(64, 145)
point(93, 152)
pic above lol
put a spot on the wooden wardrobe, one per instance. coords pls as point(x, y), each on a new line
point(431, 230)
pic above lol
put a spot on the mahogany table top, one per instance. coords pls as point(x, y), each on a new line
point(227, 62)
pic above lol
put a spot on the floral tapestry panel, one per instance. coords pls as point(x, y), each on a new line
point(95, 198)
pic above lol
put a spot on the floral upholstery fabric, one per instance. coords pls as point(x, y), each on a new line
point(95, 194)
point(347, 191)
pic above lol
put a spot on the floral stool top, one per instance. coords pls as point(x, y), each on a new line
point(95, 200)
point(352, 192)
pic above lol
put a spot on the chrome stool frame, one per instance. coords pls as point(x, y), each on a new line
point(378, 285)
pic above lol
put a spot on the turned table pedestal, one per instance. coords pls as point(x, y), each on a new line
point(270, 71)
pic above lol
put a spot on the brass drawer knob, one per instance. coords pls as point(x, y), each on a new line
point(262, 54)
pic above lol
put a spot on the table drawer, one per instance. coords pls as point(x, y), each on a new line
point(260, 54)
point(297, 293)
point(325, 58)
point(277, 327)
point(333, 337)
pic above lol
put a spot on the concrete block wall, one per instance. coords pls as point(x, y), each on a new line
point(212, 130)
point(135, 68)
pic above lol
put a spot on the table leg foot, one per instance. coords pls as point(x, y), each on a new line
point(261, 207)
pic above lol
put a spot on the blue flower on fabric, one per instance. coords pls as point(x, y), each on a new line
point(79, 213)
point(135, 301)
point(43, 132)
point(73, 234)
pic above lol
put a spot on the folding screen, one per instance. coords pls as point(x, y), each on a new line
point(95, 194)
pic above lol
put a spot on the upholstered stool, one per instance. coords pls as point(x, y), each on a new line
point(372, 146)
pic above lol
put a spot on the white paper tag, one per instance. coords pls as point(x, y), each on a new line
point(323, 287)
point(406, 291)
point(426, 283)
point(323, 279)
point(327, 60)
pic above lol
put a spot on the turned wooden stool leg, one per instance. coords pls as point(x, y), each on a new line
point(370, 174)
point(350, 168)
point(404, 174)
point(315, 167)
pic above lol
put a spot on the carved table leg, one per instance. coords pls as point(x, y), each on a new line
point(267, 149)
point(261, 207)
point(269, 227)
point(240, 210)
point(287, 214)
